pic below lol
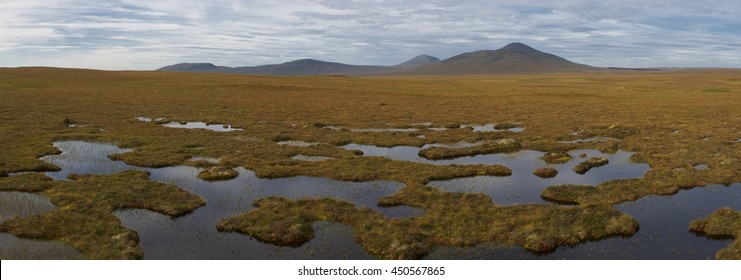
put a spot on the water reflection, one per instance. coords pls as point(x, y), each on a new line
point(310, 158)
point(202, 125)
point(664, 232)
point(194, 236)
point(524, 187)
point(19, 204)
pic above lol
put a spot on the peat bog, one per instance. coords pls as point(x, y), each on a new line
point(369, 167)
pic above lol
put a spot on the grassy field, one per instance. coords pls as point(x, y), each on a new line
point(672, 120)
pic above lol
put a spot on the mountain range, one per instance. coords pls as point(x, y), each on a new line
point(512, 58)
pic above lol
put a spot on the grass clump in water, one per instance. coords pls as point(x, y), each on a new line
point(451, 219)
point(506, 125)
point(586, 165)
point(218, 173)
point(499, 146)
point(723, 222)
point(556, 157)
point(545, 172)
point(85, 217)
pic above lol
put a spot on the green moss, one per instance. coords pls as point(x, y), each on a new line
point(724, 222)
point(85, 217)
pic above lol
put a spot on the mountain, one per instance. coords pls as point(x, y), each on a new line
point(195, 67)
point(418, 61)
point(310, 67)
point(512, 58)
point(293, 68)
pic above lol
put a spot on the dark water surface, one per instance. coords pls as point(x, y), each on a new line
point(19, 204)
point(663, 234)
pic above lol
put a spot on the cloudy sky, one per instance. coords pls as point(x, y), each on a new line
point(148, 34)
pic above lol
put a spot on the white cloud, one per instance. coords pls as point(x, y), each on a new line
point(146, 34)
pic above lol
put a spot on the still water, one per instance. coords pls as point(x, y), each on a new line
point(663, 234)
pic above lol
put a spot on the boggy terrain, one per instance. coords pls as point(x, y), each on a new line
point(672, 120)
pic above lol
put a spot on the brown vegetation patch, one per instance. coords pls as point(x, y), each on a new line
point(584, 166)
point(85, 217)
point(626, 106)
point(545, 172)
point(724, 222)
point(494, 147)
point(455, 219)
point(556, 157)
point(218, 173)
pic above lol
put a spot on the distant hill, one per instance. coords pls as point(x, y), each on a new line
point(195, 67)
point(298, 67)
point(512, 58)
point(418, 61)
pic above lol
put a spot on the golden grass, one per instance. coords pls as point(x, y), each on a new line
point(670, 119)
point(586, 165)
point(724, 222)
point(545, 172)
point(85, 217)
point(451, 219)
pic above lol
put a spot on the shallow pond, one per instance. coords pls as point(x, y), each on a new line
point(310, 158)
point(490, 127)
point(663, 235)
point(202, 125)
point(664, 232)
point(195, 236)
point(523, 186)
point(18, 204)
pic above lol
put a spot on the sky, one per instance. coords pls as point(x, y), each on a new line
point(149, 34)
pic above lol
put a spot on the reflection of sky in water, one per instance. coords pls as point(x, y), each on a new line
point(202, 125)
point(664, 231)
point(194, 236)
point(19, 204)
point(523, 186)
point(664, 220)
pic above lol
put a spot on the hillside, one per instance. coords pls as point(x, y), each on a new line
point(512, 58)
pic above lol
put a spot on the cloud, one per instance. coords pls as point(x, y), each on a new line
point(146, 34)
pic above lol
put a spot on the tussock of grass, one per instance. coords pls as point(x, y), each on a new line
point(616, 191)
point(365, 169)
point(451, 219)
point(26, 182)
point(218, 173)
point(500, 146)
point(556, 157)
point(85, 217)
point(586, 165)
point(506, 125)
point(545, 172)
point(724, 222)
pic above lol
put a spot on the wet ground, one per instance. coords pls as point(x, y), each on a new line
point(18, 204)
point(664, 221)
point(663, 234)
point(523, 187)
